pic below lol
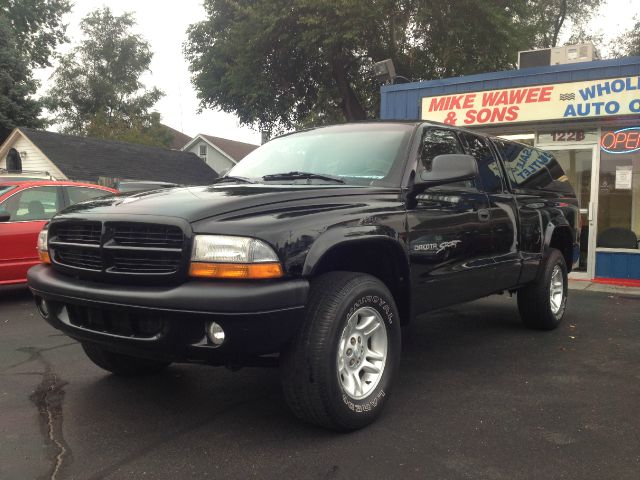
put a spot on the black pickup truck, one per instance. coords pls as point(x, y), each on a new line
point(310, 255)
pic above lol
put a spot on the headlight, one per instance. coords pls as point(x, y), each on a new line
point(43, 251)
point(222, 256)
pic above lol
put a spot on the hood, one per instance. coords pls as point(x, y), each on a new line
point(198, 203)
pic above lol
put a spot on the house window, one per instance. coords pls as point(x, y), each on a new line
point(203, 152)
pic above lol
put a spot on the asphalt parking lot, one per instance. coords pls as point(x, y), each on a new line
point(478, 396)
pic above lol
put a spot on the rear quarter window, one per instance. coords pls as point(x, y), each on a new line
point(531, 168)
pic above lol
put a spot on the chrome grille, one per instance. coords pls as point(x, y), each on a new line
point(117, 248)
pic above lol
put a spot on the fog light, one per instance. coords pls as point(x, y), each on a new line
point(215, 333)
point(43, 307)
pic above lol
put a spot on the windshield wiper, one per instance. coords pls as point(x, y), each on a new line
point(231, 178)
point(302, 175)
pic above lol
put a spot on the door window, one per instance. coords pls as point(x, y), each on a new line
point(488, 166)
point(436, 142)
point(80, 194)
point(38, 203)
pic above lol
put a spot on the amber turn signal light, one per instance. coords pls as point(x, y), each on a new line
point(44, 257)
point(236, 270)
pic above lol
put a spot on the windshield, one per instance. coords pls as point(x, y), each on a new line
point(358, 154)
point(5, 189)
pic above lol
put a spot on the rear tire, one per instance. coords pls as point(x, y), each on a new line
point(338, 371)
point(123, 365)
point(542, 303)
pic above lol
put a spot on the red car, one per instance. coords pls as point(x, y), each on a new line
point(25, 206)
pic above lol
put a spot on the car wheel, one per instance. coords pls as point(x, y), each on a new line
point(542, 303)
point(338, 371)
point(123, 365)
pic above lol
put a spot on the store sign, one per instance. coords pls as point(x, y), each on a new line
point(625, 140)
point(599, 98)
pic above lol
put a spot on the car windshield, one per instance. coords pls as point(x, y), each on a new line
point(357, 154)
point(5, 188)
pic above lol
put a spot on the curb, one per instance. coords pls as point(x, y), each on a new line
point(597, 287)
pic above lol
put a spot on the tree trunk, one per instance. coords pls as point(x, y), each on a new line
point(350, 104)
point(559, 22)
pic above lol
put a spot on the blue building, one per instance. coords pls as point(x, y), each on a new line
point(587, 114)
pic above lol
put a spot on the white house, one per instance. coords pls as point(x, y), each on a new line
point(90, 159)
point(219, 153)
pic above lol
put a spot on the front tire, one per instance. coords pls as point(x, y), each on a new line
point(338, 371)
point(542, 303)
point(122, 365)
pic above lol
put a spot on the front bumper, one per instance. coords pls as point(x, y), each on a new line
point(168, 322)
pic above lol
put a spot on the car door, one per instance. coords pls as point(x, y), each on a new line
point(503, 210)
point(449, 233)
point(29, 210)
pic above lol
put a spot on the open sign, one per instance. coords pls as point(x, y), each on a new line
point(625, 140)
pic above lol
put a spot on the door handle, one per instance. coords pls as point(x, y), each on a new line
point(483, 215)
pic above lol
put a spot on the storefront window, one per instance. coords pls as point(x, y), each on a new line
point(619, 189)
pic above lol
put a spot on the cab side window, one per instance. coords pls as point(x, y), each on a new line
point(488, 166)
point(37, 203)
point(529, 167)
point(436, 141)
point(80, 194)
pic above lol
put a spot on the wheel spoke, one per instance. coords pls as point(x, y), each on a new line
point(366, 323)
point(369, 367)
point(357, 383)
point(373, 355)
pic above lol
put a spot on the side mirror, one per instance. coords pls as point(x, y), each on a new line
point(5, 216)
point(448, 169)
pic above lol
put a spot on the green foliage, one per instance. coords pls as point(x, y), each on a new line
point(17, 108)
point(29, 32)
point(628, 44)
point(279, 64)
point(143, 130)
point(37, 26)
point(548, 17)
point(97, 88)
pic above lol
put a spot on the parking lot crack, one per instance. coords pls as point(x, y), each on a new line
point(48, 398)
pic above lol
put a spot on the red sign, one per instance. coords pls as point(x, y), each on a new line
point(625, 140)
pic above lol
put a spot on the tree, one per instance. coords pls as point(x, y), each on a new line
point(628, 44)
point(279, 64)
point(37, 26)
point(549, 17)
point(97, 88)
point(144, 130)
point(29, 32)
point(17, 107)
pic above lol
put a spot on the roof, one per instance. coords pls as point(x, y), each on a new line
point(402, 101)
point(178, 139)
point(85, 158)
point(55, 183)
point(235, 150)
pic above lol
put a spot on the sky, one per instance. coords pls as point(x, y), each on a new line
point(164, 24)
